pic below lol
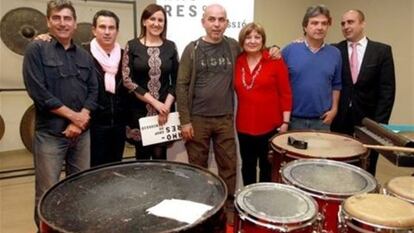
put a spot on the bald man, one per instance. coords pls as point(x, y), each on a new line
point(368, 79)
point(205, 96)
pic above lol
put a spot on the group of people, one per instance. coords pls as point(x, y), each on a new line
point(88, 100)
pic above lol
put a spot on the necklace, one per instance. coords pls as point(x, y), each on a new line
point(254, 76)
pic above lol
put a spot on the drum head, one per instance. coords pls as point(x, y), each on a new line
point(274, 203)
point(327, 178)
point(115, 198)
point(382, 210)
point(402, 186)
point(321, 145)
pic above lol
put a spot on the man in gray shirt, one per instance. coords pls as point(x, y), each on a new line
point(205, 96)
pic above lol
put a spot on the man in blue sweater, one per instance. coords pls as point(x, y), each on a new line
point(315, 73)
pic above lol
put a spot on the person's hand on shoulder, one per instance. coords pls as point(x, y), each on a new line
point(275, 52)
point(43, 37)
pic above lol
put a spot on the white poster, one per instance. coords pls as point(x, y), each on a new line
point(184, 18)
point(153, 133)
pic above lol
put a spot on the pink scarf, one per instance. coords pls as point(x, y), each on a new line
point(109, 63)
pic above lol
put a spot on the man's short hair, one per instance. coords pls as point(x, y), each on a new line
point(361, 15)
point(58, 5)
point(105, 13)
point(314, 11)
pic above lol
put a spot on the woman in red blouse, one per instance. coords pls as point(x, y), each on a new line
point(264, 102)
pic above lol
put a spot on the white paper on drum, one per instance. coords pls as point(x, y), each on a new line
point(189, 212)
point(153, 133)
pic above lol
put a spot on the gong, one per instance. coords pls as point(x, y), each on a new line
point(83, 34)
point(19, 26)
point(2, 127)
point(27, 127)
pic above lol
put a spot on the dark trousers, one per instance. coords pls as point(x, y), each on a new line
point(253, 148)
point(158, 151)
point(107, 144)
point(345, 123)
point(372, 162)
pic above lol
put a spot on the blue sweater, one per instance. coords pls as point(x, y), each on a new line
point(313, 77)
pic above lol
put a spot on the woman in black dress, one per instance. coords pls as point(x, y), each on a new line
point(149, 67)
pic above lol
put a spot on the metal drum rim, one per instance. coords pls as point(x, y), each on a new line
point(347, 217)
point(371, 181)
point(296, 155)
point(270, 223)
point(391, 192)
point(213, 211)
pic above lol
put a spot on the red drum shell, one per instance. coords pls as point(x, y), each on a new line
point(329, 182)
point(321, 145)
point(272, 207)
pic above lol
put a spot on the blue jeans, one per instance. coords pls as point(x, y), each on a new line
point(49, 153)
point(307, 124)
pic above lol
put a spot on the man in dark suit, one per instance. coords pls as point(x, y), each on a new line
point(368, 79)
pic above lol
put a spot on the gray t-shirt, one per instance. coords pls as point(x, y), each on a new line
point(213, 89)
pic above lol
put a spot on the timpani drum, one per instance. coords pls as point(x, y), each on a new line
point(330, 183)
point(401, 187)
point(320, 145)
point(116, 198)
point(273, 207)
point(376, 213)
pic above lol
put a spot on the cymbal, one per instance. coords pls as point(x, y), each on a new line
point(2, 127)
point(19, 26)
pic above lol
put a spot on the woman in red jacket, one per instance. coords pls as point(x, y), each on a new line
point(264, 102)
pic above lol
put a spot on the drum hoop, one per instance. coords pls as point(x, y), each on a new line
point(212, 212)
point(391, 192)
point(328, 195)
point(285, 227)
point(269, 223)
point(349, 218)
point(296, 155)
point(350, 159)
point(387, 191)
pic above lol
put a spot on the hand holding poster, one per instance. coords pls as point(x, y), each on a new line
point(153, 133)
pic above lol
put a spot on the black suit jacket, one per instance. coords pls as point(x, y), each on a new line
point(374, 92)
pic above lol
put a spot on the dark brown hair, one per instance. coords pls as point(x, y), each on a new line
point(147, 13)
point(58, 5)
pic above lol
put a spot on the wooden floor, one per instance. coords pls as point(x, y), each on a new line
point(17, 194)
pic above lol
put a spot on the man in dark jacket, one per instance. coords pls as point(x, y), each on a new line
point(108, 121)
point(368, 79)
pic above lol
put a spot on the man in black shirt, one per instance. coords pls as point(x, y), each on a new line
point(61, 80)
